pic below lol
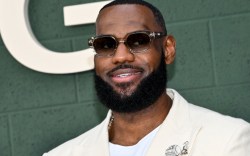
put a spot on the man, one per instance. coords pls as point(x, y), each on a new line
point(132, 48)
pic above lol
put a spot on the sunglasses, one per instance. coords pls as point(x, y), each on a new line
point(136, 42)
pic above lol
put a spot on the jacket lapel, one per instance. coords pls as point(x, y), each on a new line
point(97, 144)
point(177, 133)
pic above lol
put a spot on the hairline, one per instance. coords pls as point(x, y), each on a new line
point(158, 18)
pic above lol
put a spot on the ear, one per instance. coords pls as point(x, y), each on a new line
point(169, 45)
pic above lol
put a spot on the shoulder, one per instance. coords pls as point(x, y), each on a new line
point(218, 133)
point(85, 139)
point(205, 117)
point(209, 118)
point(226, 135)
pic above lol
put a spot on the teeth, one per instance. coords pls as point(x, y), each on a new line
point(124, 75)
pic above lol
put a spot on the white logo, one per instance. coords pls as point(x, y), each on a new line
point(24, 47)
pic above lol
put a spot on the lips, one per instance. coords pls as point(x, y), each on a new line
point(125, 75)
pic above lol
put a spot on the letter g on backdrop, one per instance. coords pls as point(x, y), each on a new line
point(24, 47)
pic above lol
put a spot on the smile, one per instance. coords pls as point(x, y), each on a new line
point(126, 75)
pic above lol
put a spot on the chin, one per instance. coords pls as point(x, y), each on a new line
point(125, 90)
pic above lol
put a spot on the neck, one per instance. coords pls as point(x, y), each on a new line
point(129, 128)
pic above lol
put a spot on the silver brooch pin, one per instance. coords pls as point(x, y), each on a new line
point(175, 150)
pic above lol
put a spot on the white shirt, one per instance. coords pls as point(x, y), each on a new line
point(138, 149)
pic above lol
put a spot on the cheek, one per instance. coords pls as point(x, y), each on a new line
point(157, 54)
point(102, 66)
point(98, 66)
point(153, 59)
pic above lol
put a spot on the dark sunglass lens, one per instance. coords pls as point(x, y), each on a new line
point(104, 45)
point(138, 42)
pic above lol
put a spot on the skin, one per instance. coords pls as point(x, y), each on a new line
point(129, 128)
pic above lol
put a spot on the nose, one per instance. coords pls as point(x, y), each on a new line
point(122, 54)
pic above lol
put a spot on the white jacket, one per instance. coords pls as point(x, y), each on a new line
point(206, 133)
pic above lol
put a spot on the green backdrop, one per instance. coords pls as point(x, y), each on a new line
point(40, 111)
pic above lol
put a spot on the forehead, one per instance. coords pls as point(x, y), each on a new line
point(122, 19)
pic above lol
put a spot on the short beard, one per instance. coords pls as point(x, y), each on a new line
point(147, 92)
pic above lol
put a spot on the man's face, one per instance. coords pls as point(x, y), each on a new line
point(125, 71)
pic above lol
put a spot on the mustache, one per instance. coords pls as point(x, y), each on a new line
point(124, 66)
